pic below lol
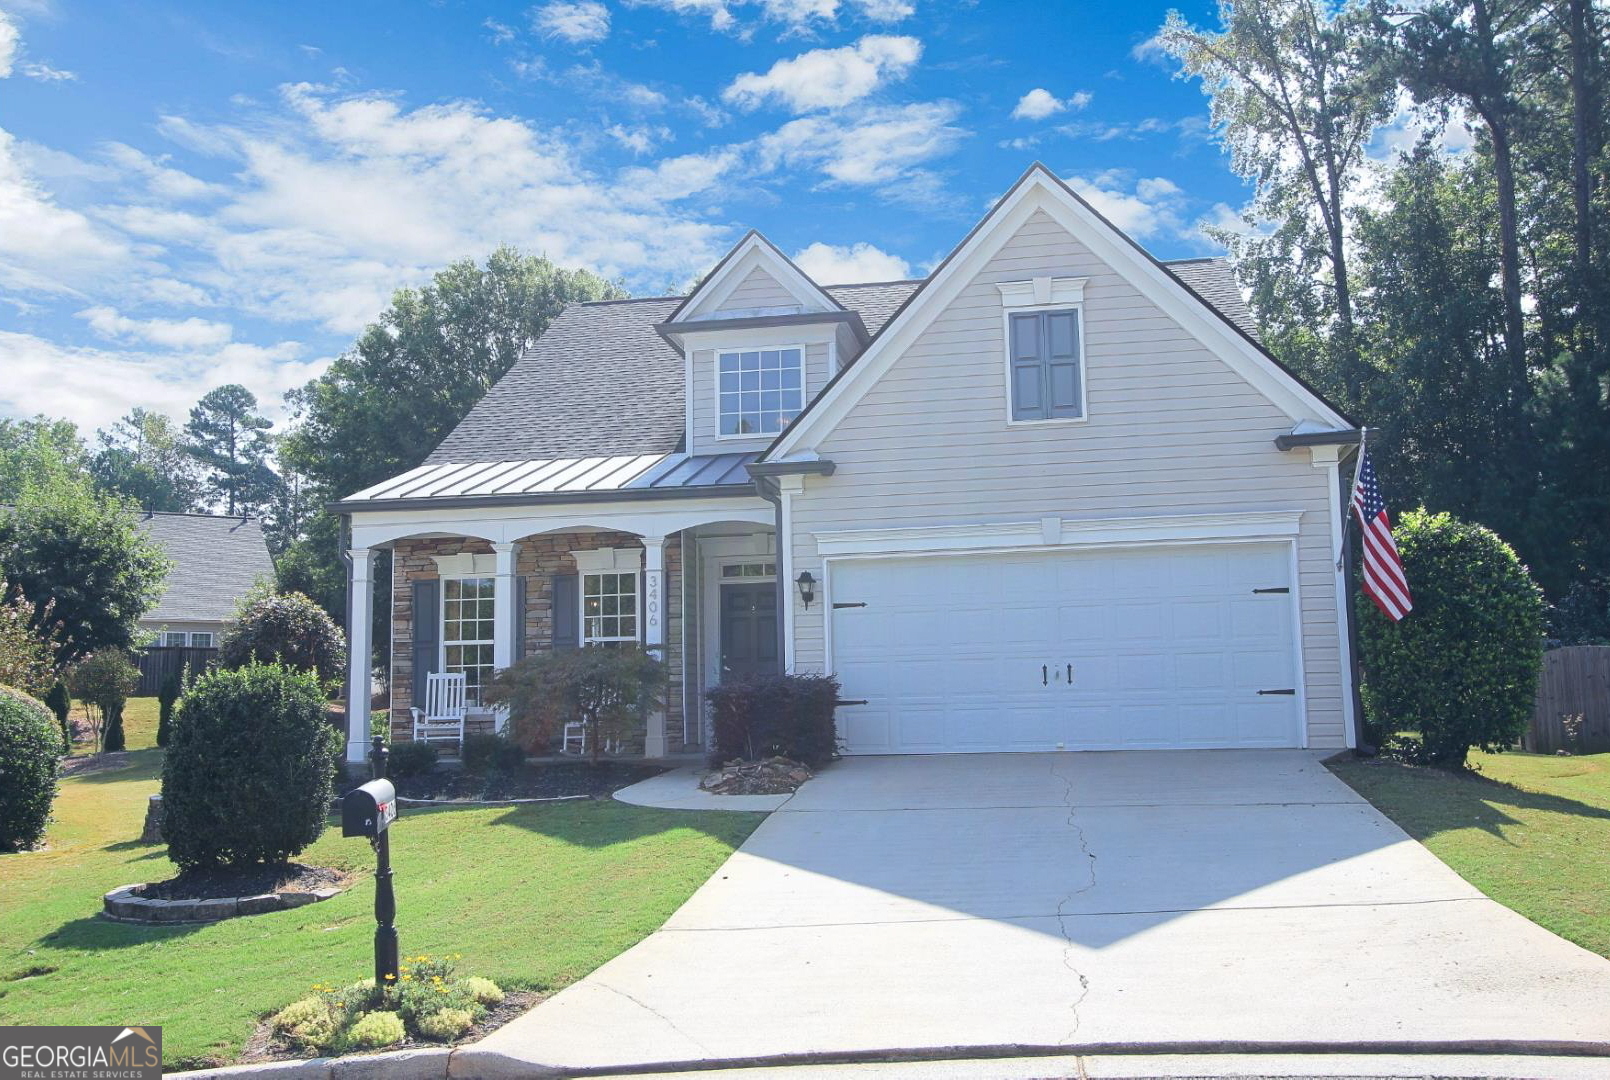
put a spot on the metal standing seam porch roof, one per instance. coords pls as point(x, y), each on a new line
point(631, 474)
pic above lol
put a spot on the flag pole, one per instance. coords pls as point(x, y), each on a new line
point(1344, 565)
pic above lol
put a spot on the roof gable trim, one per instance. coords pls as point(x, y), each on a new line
point(1041, 190)
point(752, 252)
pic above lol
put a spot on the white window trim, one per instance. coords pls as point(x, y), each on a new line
point(715, 386)
point(465, 565)
point(441, 614)
point(212, 639)
point(606, 561)
point(1044, 294)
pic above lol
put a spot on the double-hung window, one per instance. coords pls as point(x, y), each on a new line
point(758, 392)
point(1047, 369)
point(467, 622)
point(608, 608)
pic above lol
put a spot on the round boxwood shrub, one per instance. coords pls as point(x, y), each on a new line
point(250, 768)
point(1461, 668)
point(411, 759)
point(30, 744)
point(289, 629)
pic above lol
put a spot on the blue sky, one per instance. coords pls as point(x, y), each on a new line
point(193, 194)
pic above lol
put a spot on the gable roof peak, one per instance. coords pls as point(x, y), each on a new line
point(754, 250)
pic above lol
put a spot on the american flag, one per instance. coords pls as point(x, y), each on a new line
point(1383, 570)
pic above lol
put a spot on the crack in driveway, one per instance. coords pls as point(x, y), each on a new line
point(672, 1024)
point(1062, 915)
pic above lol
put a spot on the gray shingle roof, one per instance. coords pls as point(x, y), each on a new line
point(602, 382)
point(215, 561)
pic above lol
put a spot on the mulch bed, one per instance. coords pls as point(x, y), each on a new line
point(264, 1045)
point(253, 881)
point(93, 763)
point(542, 781)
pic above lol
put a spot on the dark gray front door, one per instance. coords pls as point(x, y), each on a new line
point(749, 629)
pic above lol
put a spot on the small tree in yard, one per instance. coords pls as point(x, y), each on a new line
point(28, 643)
point(60, 702)
point(29, 748)
point(609, 689)
point(167, 698)
point(250, 769)
point(285, 628)
point(103, 681)
point(1461, 668)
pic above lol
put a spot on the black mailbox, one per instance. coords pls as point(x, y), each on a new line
point(368, 810)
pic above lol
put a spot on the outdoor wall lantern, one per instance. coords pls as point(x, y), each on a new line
point(807, 587)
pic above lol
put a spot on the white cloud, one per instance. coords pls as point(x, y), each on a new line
point(1144, 208)
point(46, 73)
point(1040, 103)
point(501, 33)
point(9, 42)
point(45, 247)
point(580, 22)
point(886, 10)
point(832, 264)
point(639, 139)
point(874, 146)
point(191, 333)
point(828, 78)
point(797, 16)
point(94, 387)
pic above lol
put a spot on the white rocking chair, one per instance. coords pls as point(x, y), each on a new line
point(576, 736)
point(444, 711)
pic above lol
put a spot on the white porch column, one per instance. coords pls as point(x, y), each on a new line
point(360, 617)
point(503, 615)
point(654, 743)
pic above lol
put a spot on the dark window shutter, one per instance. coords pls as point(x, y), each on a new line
point(1061, 339)
point(427, 634)
point(566, 611)
point(1046, 370)
point(519, 618)
point(1028, 381)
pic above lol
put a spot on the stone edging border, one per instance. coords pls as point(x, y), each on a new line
point(123, 904)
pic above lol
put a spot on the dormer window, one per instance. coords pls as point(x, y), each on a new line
point(759, 391)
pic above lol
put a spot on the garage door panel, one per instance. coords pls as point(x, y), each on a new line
point(1169, 647)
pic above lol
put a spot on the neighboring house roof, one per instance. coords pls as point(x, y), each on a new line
point(640, 474)
point(216, 560)
point(601, 382)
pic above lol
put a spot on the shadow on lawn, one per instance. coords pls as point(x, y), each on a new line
point(1444, 802)
point(603, 822)
point(138, 765)
point(95, 934)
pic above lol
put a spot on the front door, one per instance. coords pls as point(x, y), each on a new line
point(749, 629)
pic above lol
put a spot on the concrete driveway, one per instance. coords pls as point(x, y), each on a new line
point(1090, 902)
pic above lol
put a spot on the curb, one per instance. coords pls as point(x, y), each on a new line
point(470, 1063)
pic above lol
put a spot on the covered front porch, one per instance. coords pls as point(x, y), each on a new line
point(473, 590)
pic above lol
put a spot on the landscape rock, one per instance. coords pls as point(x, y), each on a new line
point(773, 776)
point(258, 905)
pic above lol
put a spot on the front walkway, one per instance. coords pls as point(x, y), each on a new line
point(1166, 900)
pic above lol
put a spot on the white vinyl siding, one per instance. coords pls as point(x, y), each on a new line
point(1171, 429)
point(758, 291)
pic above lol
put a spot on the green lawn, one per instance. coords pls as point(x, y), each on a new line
point(532, 896)
point(1530, 831)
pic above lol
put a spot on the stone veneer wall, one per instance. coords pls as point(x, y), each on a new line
point(538, 559)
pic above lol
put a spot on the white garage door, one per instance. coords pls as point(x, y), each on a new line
point(1162, 647)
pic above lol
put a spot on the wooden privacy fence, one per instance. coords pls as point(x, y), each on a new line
point(157, 662)
point(1573, 701)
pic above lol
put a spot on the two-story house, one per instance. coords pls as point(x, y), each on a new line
point(1054, 495)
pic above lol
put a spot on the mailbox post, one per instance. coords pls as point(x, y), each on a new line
point(369, 811)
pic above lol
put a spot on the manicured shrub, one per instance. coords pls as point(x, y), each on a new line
point(444, 1025)
point(765, 716)
point(376, 1029)
point(496, 753)
point(485, 991)
point(380, 724)
point(60, 702)
point(30, 744)
point(167, 697)
point(610, 690)
point(1461, 668)
point(289, 629)
point(103, 681)
point(250, 768)
point(411, 759)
